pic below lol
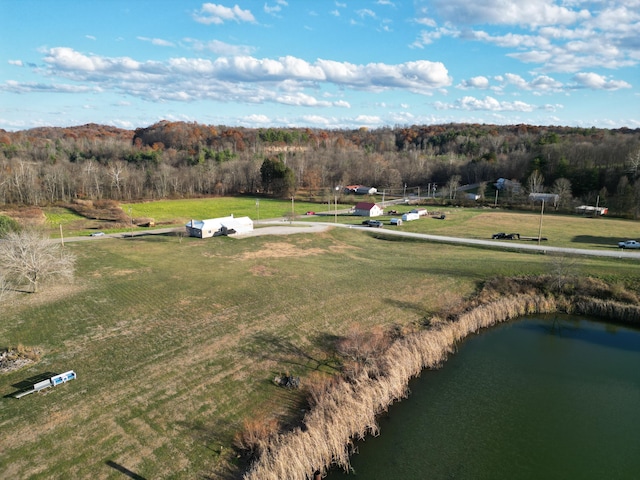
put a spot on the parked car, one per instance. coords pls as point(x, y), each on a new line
point(310, 213)
point(373, 223)
point(97, 234)
point(629, 244)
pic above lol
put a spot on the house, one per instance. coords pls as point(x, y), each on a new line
point(512, 186)
point(367, 209)
point(219, 226)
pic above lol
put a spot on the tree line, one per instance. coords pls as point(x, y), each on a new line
point(180, 159)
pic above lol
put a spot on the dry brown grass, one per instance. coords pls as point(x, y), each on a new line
point(345, 409)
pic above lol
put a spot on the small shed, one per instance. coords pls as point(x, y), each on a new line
point(219, 226)
point(409, 216)
point(367, 209)
point(422, 212)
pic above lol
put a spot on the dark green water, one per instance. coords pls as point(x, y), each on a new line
point(531, 399)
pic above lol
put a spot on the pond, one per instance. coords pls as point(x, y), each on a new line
point(553, 397)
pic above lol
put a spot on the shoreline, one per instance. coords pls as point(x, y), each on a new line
point(327, 434)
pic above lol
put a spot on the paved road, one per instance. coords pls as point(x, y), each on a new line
point(271, 227)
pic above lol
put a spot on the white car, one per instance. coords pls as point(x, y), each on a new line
point(97, 234)
point(629, 244)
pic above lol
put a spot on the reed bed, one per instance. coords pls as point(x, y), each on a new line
point(347, 409)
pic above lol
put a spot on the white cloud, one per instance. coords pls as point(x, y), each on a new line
point(157, 41)
point(475, 82)
point(560, 36)
point(530, 13)
point(275, 9)
point(220, 48)
point(598, 82)
point(287, 80)
point(17, 63)
point(33, 87)
point(211, 13)
point(368, 119)
point(487, 103)
point(365, 12)
point(256, 119)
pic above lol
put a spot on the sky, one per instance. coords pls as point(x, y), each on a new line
point(319, 63)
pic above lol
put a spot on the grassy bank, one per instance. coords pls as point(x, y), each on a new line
point(176, 341)
point(347, 409)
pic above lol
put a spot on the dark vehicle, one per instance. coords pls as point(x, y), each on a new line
point(373, 223)
point(506, 236)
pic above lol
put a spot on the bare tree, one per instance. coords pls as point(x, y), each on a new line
point(30, 256)
point(562, 188)
point(452, 186)
point(535, 182)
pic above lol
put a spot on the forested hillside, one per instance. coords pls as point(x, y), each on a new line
point(177, 159)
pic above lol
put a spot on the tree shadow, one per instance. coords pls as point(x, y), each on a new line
point(124, 470)
point(597, 240)
point(282, 350)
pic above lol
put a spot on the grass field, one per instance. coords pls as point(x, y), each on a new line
point(561, 230)
point(176, 340)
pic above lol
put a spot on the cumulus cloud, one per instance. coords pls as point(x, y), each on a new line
point(530, 13)
point(475, 82)
point(598, 82)
point(557, 36)
point(211, 13)
point(486, 103)
point(287, 80)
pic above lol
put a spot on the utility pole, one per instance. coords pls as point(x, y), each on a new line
point(540, 229)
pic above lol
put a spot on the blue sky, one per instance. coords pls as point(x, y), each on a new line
point(325, 64)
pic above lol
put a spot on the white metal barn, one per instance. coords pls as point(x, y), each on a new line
point(219, 226)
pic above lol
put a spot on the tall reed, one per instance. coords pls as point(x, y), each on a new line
point(347, 409)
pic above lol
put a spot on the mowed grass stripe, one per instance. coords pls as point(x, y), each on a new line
point(176, 341)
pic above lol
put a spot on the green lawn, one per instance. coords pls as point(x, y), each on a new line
point(176, 340)
point(181, 211)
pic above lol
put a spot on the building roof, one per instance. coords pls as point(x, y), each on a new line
point(365, 205)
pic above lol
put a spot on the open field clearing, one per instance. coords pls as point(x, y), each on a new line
point(181, 211)
point(176, 341)
point(561, 230)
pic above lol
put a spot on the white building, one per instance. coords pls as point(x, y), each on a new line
point(219, 226)
point(368, 209)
